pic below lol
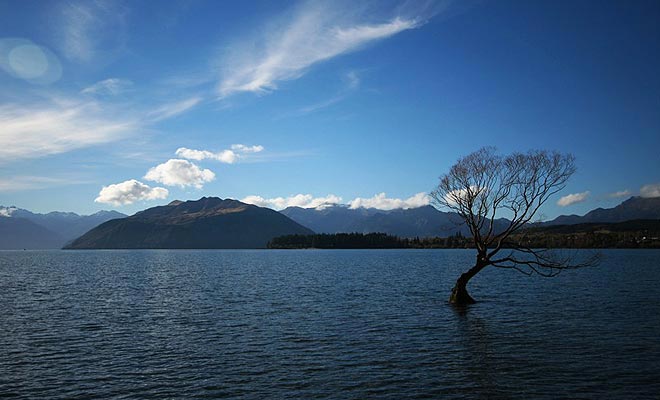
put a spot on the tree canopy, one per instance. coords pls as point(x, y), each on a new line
point(483, 187)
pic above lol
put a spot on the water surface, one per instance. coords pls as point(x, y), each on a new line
point(322, 324)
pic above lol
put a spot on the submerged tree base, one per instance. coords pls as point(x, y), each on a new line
point(460, 296)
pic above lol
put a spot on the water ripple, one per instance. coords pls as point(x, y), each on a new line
point(322, 324)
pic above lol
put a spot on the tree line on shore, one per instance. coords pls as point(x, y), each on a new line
point(641, 234)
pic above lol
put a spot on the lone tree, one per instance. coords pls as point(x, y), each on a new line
point(483, 187)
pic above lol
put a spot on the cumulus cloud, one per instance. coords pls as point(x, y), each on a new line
point(129, 192)
point(299, 200)
point(650, 190)
point(225, 156)
point(619, 194)
point(379, 201)
point(573, 198)
point(182, 173)
point(315, 34)
point(111, 86)
point(59, 126)
point(382, 202)
point(461, 195)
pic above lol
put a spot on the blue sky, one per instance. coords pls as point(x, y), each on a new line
point(127, 105)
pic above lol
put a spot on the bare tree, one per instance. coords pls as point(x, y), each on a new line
point(483, 187)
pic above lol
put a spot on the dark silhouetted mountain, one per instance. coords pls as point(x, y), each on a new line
point(207, 223)
point(424, 221)
point(20, 233)
point(65, 225)
point(632, 209)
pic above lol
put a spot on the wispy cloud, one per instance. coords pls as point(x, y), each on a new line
point(29, 182)
point(110, 86)
point(573, 198)
point(129, 192)
point(299, 200)
point(352, 82)
point(225, 156)
point(173, 109)
point(650, 190)
point(619, 194)
point(58, 127)
point(382, 202)
point(316, 33)
point(84, 25)
point(54, 125)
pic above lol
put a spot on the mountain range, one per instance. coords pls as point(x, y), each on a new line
point(23, 229)
point(211, 222)
point(631, 209)
point(207, 223)
point(426, 221)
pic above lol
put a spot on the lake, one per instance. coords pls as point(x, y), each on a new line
point(323, 324)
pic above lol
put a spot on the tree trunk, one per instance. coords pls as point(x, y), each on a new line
point(459, 294)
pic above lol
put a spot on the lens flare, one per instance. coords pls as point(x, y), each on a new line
point(25, 60)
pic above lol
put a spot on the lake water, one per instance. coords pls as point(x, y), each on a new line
point(323, 324)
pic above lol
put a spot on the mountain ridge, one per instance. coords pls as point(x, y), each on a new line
point(60, 227)
point(424, 221)
point(634, 208)
point(207, 223)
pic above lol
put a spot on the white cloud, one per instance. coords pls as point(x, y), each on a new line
point(453, 197)
point(225, 156)
point(382, 202)
point(173, 109)
point(57, 124)
point(379, 201)
point(573, 198)
point(58, 127)
point(129, 192)
point(619, 194)
point(315, 34)
point(241, 148)
point(180, 173)
point(650, 190)
point(111, 86)
point(299, 200)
